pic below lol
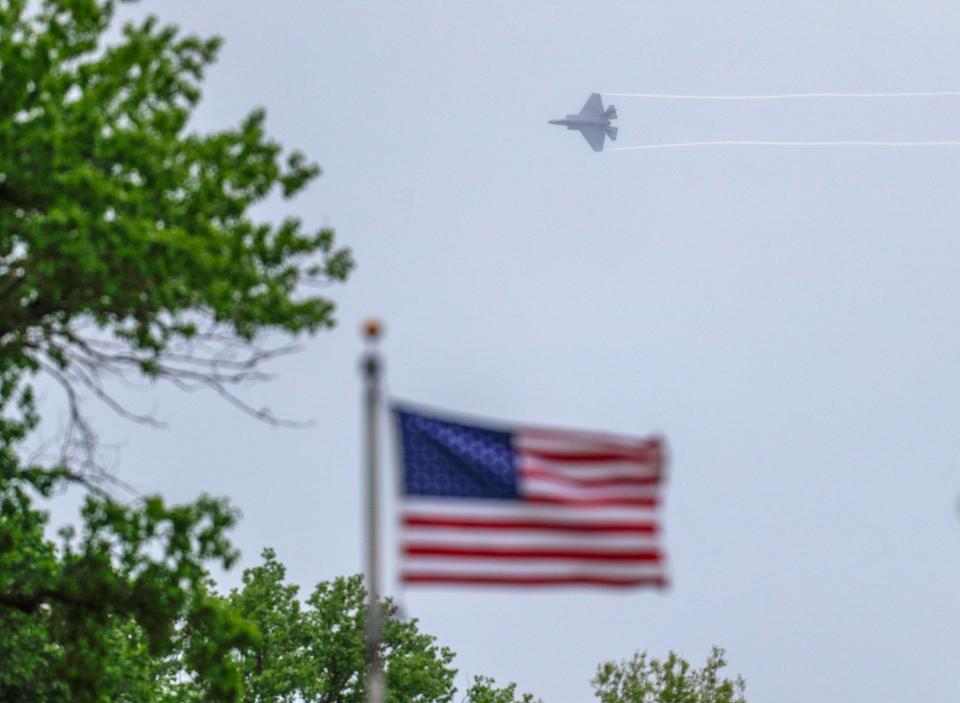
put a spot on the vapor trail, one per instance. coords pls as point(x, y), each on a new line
point(786, 96)
point(681, 145)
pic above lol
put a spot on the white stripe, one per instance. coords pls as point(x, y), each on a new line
point(571, 442)
point(518, 510)
point(527, 538)
point(618, 469)
point(539, 488)
point(508, 567)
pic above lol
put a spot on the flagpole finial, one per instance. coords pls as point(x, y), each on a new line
point(372, 329)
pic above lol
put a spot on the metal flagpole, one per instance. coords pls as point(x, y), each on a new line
point(372, 366)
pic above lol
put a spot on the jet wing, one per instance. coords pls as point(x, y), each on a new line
point(593, 107)
point(594, 137)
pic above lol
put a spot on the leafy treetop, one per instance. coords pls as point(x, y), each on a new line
point(127, 242)
point(314, 651)
point(643, 679)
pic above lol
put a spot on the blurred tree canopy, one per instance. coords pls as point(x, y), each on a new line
point(642, 679)
point(485, 690)
point(128, 249)
point(299, 651)
point(314, 651)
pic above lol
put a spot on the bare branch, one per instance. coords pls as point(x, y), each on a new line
point(211, 360)
point(88, 375)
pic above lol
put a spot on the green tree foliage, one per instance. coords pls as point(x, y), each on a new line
point(314, 651)
point(128, 248)
point(77, 618)
point(642, 679)
point(126, 241)
point(114, 214)
point(485, 690)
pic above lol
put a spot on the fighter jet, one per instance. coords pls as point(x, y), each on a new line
point(593, 122)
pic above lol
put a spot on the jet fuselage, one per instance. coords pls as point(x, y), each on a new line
point(593, 122)
point(576, 122)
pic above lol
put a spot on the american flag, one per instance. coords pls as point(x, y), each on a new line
point(527, 507)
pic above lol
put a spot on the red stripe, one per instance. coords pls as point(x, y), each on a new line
point(427, 550)
point(494, 580)
point(640, 457)
point(647, 528)
point(593, 502)
point(590, 482)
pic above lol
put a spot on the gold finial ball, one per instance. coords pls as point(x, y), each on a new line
point(372, 329)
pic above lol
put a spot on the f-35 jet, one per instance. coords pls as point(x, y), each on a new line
point(593, 122)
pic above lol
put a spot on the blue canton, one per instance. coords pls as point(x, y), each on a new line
point(442, 458)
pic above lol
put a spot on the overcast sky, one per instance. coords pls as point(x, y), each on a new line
point(787, 317)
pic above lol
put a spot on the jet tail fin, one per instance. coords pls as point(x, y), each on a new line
point(611, 132)
point(610, 113)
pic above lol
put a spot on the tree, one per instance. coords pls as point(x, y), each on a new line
point(648, 680)
point(127, 249)
point(314, 651)
point(127, 244)
point(485, 690)
point(135, 579)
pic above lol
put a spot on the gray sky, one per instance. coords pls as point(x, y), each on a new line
point(788, 317)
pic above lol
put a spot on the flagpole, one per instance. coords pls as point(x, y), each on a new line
point(372, 366)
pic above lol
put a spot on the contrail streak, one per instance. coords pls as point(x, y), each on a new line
point(786, 96)
point(682, 145)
